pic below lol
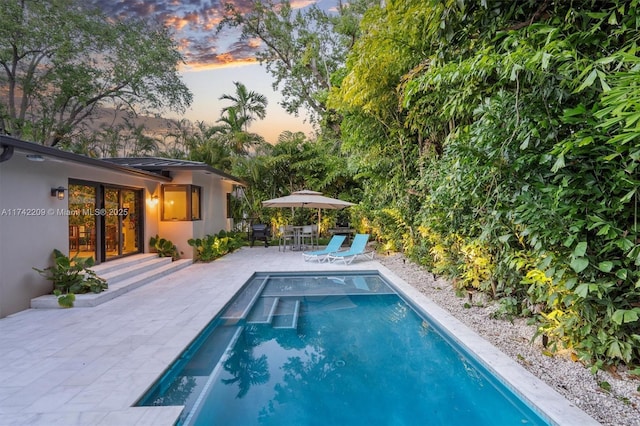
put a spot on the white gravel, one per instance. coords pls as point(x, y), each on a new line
point(617, 407)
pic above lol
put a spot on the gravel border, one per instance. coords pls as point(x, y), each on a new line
point(617, 407)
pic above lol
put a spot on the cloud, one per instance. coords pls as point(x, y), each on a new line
point(237, 54)
point(194, 24)
point(300, 4)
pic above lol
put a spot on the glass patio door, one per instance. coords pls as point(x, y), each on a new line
point(104, 221)
point(82, 220)
point(121, 222)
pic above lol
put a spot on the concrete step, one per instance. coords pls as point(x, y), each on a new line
point(132, 269)
point(120, 287)
point(113, 265)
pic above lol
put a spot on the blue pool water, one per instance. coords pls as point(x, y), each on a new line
point(339, 349)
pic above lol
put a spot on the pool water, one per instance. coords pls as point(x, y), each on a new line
point(331, 350)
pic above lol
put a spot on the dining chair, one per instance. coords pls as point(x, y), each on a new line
point(74, 238)
point(307, 236)
point(286, 237)
point(316, 234)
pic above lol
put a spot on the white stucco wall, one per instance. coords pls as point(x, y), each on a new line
point(214, 204)
point(27, 241)
point(33, 223)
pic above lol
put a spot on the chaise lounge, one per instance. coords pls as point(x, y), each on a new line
point(358, 248)
point(320, 255)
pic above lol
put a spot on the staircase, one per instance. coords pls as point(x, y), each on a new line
point(122, 275)
point(279, 312)
point(252, 307)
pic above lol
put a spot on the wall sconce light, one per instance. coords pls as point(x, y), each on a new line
point(154, 200)
point(58, 192)
point(35, 157)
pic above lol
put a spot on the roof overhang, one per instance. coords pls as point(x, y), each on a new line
point(10, 145)
point(160, 165)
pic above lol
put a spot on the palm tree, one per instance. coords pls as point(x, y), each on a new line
point(143, 144)
point(179, 139)
point(248, 105)
point(233, 132)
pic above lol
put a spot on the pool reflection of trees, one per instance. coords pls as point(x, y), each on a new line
point(179, 391)
point(243, 366)
point(324, 353)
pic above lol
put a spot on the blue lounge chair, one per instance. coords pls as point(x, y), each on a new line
point(320, 255)
point(358, 248)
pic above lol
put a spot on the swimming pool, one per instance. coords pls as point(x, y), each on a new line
point(343, 348)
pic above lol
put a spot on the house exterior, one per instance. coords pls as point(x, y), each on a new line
point(104, 208)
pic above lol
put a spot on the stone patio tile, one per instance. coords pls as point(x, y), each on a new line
point(87, 366)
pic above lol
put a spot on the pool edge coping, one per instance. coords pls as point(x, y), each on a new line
point(546, 401)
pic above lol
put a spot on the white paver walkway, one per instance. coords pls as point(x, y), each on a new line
point(88, 366)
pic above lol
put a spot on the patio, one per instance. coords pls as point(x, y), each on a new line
point(86, 366)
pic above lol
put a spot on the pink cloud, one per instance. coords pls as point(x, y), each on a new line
point(194, 23)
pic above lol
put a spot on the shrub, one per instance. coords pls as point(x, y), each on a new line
point(71, 276)
point(164, 248)
point(211, 247)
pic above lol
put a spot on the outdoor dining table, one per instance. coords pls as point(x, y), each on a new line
point(297, 237)
point(297, 234)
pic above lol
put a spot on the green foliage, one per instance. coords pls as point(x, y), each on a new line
point(212, 247)
point(498, 144)
point(55, 76)
point(72, 276)
point(606, 386)
point(233, 132)
point(303, 48)
point(164, 247)
point(248, 104)
point(292, 164)
point(65, 300)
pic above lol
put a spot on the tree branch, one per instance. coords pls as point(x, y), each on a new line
point(538, 15)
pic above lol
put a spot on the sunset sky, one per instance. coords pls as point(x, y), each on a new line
point(214, 62)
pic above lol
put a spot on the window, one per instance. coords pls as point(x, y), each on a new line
point(195, 203)
point(181, 202)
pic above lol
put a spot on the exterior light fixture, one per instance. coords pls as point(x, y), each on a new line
point(58, 192)
point(154, 200)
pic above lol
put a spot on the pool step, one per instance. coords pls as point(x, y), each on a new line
point(244, 304)
point(287, 313)
point(214, 346)
point(263, 311)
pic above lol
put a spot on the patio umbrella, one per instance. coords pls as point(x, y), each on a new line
point(309, 199)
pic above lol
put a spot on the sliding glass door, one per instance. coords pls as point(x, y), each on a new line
point(104, 221)
point(122, 224)
point(82, 220)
